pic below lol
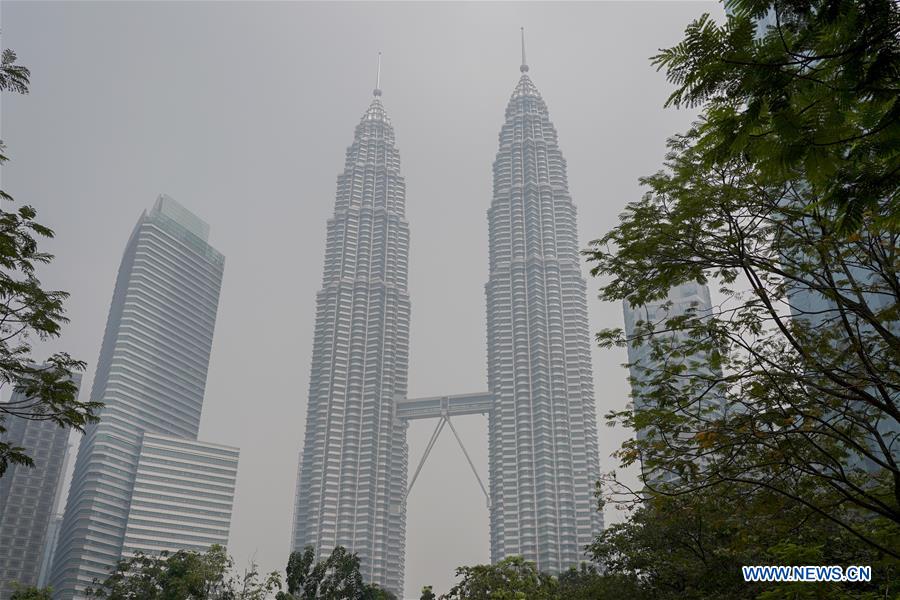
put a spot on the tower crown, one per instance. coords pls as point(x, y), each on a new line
point(525, 87)
point(376, 111)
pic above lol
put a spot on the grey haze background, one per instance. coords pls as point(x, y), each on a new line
point(242, 112)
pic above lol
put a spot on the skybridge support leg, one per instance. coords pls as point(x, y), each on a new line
point(444, 419)
point(471, 464)
point(434, 437)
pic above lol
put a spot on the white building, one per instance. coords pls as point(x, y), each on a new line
point(151, 377)
point(544, 461)
point(352, 483)
point(352, 478)
point(182, 496)
point(685, 300)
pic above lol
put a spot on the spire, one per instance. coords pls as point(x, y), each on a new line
point(377, 90)
point(524, 67)
point(375, 112)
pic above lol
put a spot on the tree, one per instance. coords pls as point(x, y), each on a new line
point(302, 580)
point(252, 585)
point(184, 575)
point(516, 579)
point(512, 578)
point(374, 592)
point(29, 312)
point(693, 547)
point(804, 91)
point(675, 548)
point(585, 583)
point(31, 593)
point(803, 399)
point(334, 578)
point(427, 593)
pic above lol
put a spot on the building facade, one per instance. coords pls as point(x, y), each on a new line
point(28, 498)
point(50, 548)
point(543, 430)
point(688, 299)
point(151, 377)
point(182, 496)
point(685, 300)
point(353, 469)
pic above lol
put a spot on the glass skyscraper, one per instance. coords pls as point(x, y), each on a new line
point(686, 300)
point(543, 428)
point(353, 469)
point(28, 498)
point(151, 376)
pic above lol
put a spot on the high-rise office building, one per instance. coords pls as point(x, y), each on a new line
point(57, 518)
point(543, 429)
point(28, 497)
point(182, 497)
point(151, 376)
point(862, 280)
point(685, 300)
point(352, 479)
point(49, 548)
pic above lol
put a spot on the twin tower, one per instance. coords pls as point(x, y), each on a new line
point(352, 484)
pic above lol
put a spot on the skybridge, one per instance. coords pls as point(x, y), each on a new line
point(433, 407)
point(442, 408)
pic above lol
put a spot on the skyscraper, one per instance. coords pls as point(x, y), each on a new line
point(49, 548)
point(543, 430)
point(352, 479)
point(688, 299)
point(28, 497)
point(151, 376)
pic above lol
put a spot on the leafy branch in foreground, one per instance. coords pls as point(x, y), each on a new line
point(510, 579)
point(806, 91)
point(185, 575)
point(694, 545)
point(336, 577)
point(783, 196)
point(30, 593)
point(514, 578)
point(804, 343)
point(29, 312)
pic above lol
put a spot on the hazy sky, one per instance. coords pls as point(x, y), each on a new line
point(242, 112)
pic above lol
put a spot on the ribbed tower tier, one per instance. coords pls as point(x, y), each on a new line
point(543, 429)
point(353, 470)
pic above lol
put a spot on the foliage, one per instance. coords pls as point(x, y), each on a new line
point(512, 578)
point(29, 312)
point(427, 593)
point(767, 426)
point(184, 575)
point(792, 382)
point(13, 77)
point(515, 578)
point(334, 578)
point(693, 546)
point(31, 593)
point(374, 592)
point(585, 583)
point(252, 585)
point(804, 91)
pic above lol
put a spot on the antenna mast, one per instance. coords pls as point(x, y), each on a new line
point(377, 91)
point(524, 67)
